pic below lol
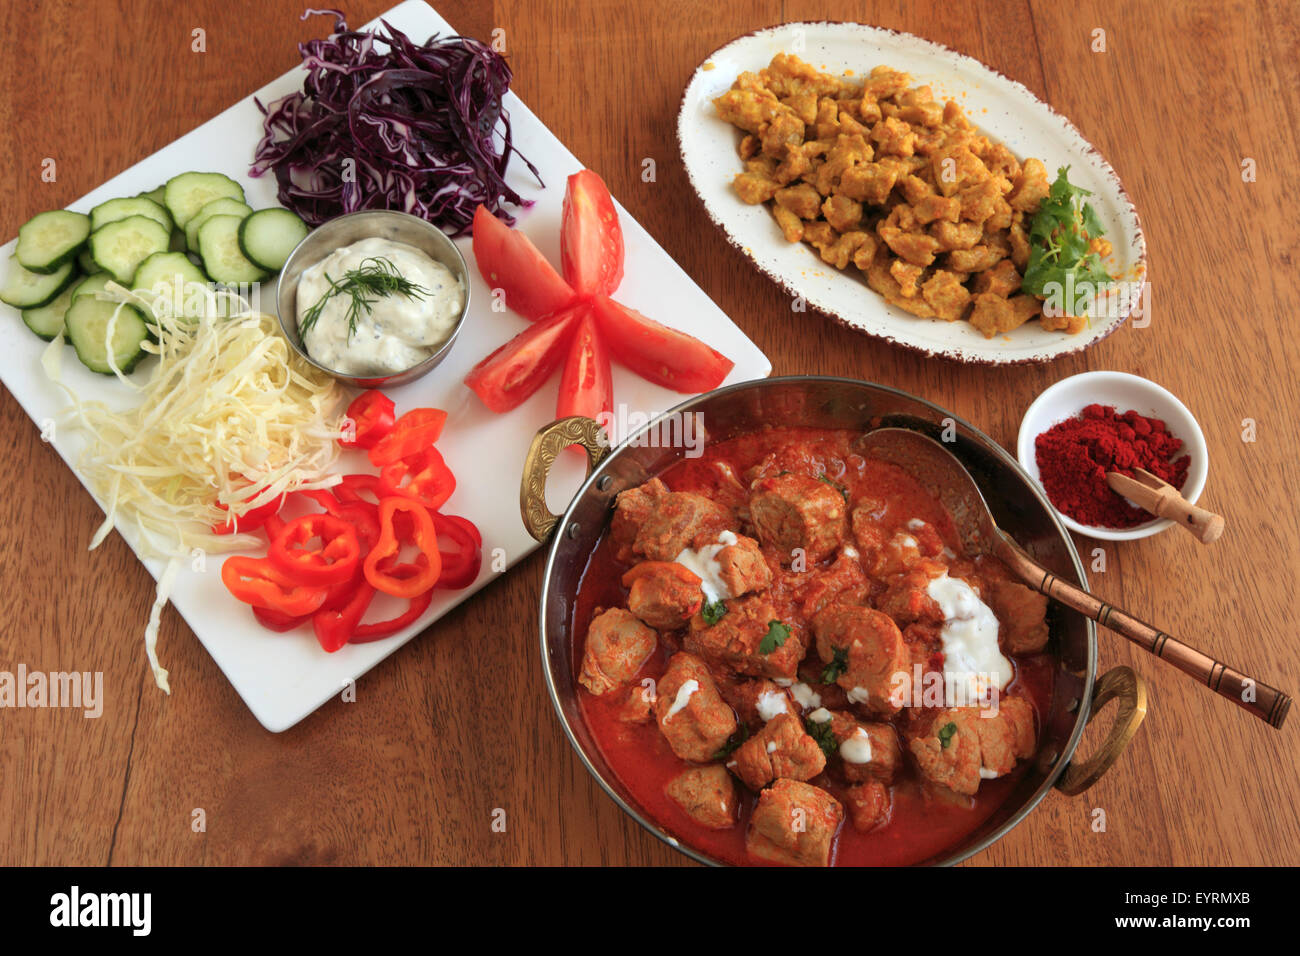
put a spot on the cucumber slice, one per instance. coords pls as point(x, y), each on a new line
point(116, 209)
point(225, 206)
point(86, 262)
point(87, 321)
point(167, 267)
point(268, 236)
point(189, 192)
point(91, 284)
point(49, 239)
point(24, 289)
point(219, 246)
point(47, 320)
point(157, 195)
point(121, 246)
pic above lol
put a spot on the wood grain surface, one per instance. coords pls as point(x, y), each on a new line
point(457, 724)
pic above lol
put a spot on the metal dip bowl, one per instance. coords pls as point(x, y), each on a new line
point(350, 228)
point(817, 402)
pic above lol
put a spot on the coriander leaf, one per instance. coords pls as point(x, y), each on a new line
point(838, 665)
point(945, 734)
point(732, 742)
point(1060, 254)
point(713, 612)
point(776, 636)
point(836, 485)
point(825, 737)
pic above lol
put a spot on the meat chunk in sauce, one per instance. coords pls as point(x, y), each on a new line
point(618, 645)
point(871, 651)
point(796, 513)
point(663, 594)
point(794, 824)
point(631, 509)
point(736, 640)
point(1022, 612)
point(755, 700)
point(742, 567)
point(781, 749)
point(693, 718)
point(706, 794)
point(868, 750)
point(678, 520)
point(956, 747)
point(869, 805)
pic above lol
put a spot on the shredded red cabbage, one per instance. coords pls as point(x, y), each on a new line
point(418, 123)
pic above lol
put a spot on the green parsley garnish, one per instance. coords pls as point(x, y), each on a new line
point(838, 665)
point(776, 636)
point(945, 734)
point(1059, 237)
point(825, 737)
point(713, 611)
point(734, 741)
point(374, 278)
point(837, 486)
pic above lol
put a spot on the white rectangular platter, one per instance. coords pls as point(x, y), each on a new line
point(284, 678)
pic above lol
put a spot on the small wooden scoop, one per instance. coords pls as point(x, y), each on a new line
point(1163, 500)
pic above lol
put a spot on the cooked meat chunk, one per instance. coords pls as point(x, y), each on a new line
point(780, 749)
point(737, 639)
point(618, 645)
point(993, 314)
point(907, 599)
point(677, 520)
point(869, 804)
point(1022, 612)
point(791, 225)
point(842, 213)
point(692, 716)
point(844, 580)
point(802, 200)
point(798, 514)
point(1002, 279)
point(664, 594)
point(742, 567)
point(1031, 187)
point(755, 700)
point(877, 661)
point(956, 747)
point(785, 129)
point(631, 509)
point(747, 109)
point(868, 750)
point(946, 295)
point(794, 823)
point(639, 706)
point(755, 188)
point(843, 249)
point(870, 183)
point(974, 259)
point(706, 794)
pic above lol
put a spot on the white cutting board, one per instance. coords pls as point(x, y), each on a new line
point(283, 678)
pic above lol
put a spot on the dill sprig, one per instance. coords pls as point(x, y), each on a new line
point(374, 278)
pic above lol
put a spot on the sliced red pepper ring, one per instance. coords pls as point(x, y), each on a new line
point(335, 627)
point(277, 620)
point(423, 535)
point(352, 487)
point(422, 475)
point(415, 431)
point(371, 415)
point(332, 562)
point(461, 566)
point(258, 582)
point(250, 520)
point(418, 605)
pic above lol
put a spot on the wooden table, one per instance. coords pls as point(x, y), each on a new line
point(457, 724)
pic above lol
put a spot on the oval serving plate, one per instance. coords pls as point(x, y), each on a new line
point(1002, 109)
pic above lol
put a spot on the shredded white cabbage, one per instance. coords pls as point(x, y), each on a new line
point(229, 413)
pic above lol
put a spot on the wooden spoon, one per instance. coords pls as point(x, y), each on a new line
point(944, 477)
point(1164, 501)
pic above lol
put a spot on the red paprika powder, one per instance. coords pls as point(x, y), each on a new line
point(1074, 455)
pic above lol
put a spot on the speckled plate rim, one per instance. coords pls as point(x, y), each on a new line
point(707, 148)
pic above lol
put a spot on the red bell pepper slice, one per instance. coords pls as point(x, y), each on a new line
point(415, 431)
point(332, 562)
point(258, 582)
point(250, 520)
point(424, 536)
point(372, 415)
point(427, 478)
point(460, 567)
point(277, 620)
point(335, 627)
point(364, 633)
point(354, 487)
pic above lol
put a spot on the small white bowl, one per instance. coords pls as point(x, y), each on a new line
point(1069, 396)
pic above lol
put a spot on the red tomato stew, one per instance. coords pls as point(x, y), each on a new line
point(785, 659)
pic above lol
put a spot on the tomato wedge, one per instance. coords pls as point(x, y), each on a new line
point(508, 261)
point(657, 353)
point(586, 387)
point(513, 372)
point(591, 240)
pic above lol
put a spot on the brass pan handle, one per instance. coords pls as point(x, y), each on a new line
point(547, 445)
point(1124, 683)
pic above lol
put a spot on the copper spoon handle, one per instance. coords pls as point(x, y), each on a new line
point(1255, 697)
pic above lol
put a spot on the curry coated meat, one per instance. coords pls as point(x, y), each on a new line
point(881, 175)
